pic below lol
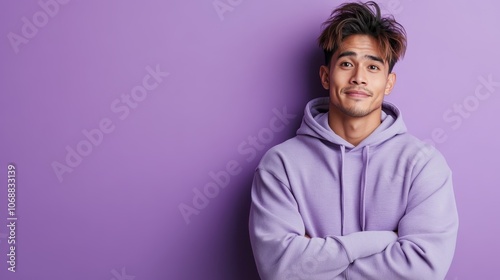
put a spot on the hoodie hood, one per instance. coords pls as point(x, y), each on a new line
point(315, 124)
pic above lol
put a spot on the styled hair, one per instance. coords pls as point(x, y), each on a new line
point(363, 19)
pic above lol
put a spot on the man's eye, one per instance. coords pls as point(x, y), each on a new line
point(373, 67)
point(345, 64)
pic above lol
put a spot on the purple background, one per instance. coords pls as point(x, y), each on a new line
point(116, 214)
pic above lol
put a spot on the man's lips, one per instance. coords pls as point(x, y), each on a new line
point(357, 93)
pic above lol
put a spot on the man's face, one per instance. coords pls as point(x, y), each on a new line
point(357, 78)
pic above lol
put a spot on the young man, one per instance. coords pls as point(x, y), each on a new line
point(353, 195)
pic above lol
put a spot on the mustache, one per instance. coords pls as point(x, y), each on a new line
point(357, 88)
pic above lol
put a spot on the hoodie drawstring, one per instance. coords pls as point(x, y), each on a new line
point(364, 176)
point(342, 156)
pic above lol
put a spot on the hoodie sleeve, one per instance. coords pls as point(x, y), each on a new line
point(282, 251)
point(427, 231)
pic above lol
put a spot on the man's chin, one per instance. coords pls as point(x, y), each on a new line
point(356, 112)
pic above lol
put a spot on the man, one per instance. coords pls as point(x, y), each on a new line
point(353, 195)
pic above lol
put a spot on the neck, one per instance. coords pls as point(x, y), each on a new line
point(353, 129)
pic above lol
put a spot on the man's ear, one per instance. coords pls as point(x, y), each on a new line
point(324, 75)
point(391, 81)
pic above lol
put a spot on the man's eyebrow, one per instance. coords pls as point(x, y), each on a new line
point(347, 53)
point(376, 58)
point(351, 53)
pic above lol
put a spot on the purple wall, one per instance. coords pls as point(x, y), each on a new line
point(117, 113)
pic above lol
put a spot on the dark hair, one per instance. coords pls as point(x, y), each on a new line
point(364, 19)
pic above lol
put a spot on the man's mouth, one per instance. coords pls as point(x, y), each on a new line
point(357, 93)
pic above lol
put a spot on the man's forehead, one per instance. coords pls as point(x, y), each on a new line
point(359, 46)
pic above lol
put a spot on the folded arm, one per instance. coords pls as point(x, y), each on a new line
point(281, 248)
point(427, 231)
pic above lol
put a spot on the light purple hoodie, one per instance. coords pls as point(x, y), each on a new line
point(383, 209)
